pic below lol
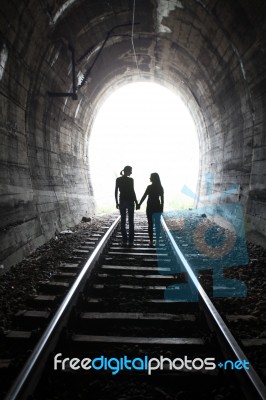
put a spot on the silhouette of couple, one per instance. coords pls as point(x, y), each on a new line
point(128, 199)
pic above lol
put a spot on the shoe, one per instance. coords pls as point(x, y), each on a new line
point(150, 243)
point(130, 244)
point(123, 244)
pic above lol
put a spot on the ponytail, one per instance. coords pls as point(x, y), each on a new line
point(127, 167)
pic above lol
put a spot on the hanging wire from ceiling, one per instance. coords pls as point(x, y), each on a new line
point(132, 35)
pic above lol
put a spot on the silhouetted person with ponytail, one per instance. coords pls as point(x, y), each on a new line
point(154, 208)
point(127, 198)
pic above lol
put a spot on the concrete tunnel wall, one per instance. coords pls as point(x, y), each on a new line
point(212, 52)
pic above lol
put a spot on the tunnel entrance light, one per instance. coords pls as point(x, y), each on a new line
point(147, 126)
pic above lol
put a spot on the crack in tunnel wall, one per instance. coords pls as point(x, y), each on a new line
point(211, 52)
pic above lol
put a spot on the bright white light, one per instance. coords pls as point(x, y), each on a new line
point(148, 127)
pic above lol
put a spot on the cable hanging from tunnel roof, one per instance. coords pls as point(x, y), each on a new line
point(132, 34)
point(76, 86)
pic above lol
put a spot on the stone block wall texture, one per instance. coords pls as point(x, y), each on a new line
point(212, 52)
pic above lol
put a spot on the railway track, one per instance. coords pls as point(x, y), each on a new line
point(115, 336)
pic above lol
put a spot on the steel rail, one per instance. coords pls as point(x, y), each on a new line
point(36, 362)
point(255, 386)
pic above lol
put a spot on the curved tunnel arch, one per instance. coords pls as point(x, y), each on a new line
point(210, 52)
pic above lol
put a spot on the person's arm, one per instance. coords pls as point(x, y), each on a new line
point(135, 197)
point(144, 196)
point(162, 201)
point(116, 194)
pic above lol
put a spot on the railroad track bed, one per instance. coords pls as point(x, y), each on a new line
point(31, 291)
point(119, 316)
point(121, 311)
point(246, 317)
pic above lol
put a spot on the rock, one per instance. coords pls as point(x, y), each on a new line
point(66, 232)
point(85, 219)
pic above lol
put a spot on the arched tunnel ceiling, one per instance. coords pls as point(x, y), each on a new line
point(195, 47)
point(190, 45)
point(212, 52)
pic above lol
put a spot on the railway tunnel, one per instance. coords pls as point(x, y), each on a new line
point(60, 59)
